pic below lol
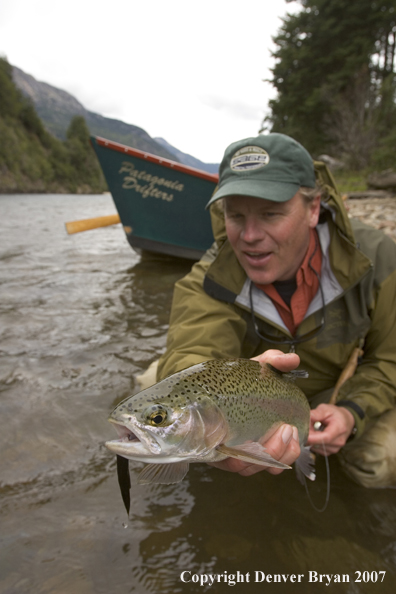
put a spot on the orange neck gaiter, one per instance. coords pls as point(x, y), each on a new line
point(307, 286)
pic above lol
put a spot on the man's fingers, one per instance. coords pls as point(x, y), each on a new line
point(282, 361)
point(283, 446)
point(326, 436)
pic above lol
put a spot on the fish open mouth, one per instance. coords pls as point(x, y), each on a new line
point(125, 434)
point(132, 441)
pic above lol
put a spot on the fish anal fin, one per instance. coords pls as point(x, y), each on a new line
point(305, 465)
point(252, 452)
point(163, 474)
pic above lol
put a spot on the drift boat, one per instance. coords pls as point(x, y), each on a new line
point(161, 203)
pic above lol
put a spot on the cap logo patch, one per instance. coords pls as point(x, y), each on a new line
point(249, 158)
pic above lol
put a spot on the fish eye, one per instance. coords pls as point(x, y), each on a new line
point(157, 417)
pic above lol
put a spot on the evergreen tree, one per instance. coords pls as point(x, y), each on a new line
point(81, 154)
point(328, 55)
point(31, 159)
point(10, 97)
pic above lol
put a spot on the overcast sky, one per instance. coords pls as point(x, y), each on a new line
point(190, 72)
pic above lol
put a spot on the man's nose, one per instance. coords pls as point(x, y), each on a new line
point(252, 231)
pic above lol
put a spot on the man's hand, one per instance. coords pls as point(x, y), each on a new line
point(283, 361)
point(338, 423)
point(283, 445)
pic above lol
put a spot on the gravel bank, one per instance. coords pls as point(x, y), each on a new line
point(377, 212)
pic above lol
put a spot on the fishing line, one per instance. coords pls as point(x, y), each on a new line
point(322, 509)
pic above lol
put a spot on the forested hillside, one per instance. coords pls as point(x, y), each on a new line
point(335, 78)
point(31, 159)
point(56, 108)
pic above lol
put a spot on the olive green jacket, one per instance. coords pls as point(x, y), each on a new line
point(211, 314)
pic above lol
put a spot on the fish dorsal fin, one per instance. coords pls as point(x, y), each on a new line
point(251, 452)
point(163, 474)
point(290, 375)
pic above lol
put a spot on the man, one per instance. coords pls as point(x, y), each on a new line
point(290, 272)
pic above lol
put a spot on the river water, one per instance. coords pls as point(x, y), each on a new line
point(80, 316)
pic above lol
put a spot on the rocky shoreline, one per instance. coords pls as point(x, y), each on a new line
point(376, 212)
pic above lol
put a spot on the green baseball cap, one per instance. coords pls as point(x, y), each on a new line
point(272, 166)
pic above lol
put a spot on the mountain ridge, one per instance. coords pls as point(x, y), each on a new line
point(187, 159)
point(57, 107)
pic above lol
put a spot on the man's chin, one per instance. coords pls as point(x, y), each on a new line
point(261, 278)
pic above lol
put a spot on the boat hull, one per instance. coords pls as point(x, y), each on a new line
point(161, 203)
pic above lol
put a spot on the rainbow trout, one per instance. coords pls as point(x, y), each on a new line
point(206, 413)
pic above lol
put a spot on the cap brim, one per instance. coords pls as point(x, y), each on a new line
point(274, 191)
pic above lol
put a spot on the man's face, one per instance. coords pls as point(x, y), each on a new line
point(270, 239)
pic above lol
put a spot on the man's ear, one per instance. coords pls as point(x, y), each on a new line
point(314, 211)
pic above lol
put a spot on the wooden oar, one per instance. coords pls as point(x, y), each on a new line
point(95, 223)
point(348, 371)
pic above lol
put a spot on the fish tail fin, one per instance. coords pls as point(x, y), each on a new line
point(305, 465)
point(305, 468)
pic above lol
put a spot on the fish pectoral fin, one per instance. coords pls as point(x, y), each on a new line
point(305, 465)
point(251, 452)
point(163, 474)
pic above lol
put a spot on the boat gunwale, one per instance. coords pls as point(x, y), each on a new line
point(145, 156)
